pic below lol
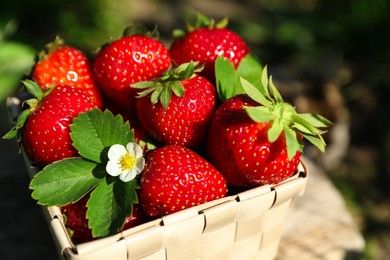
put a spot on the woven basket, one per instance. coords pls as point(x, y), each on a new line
point(247, 225)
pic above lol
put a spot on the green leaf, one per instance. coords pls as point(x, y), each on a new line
point(188, 71)
point(94, 131)
point(274, 91)
point(143, 84)
point(110, 203)
point(316, 120)
point(250, 69)
point(165, 96)
point(303, 129)
point(66, 181)
point(145, 92)
point(275, 131)
point(155, 97)
point(300, 123)
point(317, 141)
point(264, 80)
point(259, 114)
point(227, 79)
point(177, 88)
point(293, 142)
point(33, 88)
point(11, 133)
point(264, 77)
point(19, 124)
point(254, 93)
point(32, 102)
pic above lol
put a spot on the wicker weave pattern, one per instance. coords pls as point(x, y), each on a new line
point(243, 226)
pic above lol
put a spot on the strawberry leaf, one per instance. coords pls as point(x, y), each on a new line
point(143, 84)
point(177, 88)
point(227, 79)
point(187, 71)
point(94, 131)
point(275, 130)
point(315, 120)
point(274, 91)
point(264, 80)
point(293, 142)
point(110, 203)
point(250, 69)
point(66, 181)
point(165, 96)
point(255, 93)
point(259, 114)
point(33, 88)
point(317, 141)
point(228, 82)
point(19, 124)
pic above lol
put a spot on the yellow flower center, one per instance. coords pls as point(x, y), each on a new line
point(127, 161)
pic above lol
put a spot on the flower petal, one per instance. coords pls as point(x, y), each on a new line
point(134, 150)
point(116, 151)
point(113, 168)
point(128, 175)
point(140, 165)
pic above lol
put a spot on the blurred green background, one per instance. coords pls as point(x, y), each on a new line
point(331, 57)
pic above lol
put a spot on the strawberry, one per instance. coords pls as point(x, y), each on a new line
point(177, 108)
point(257, 139)
point(175, 178)
point(76, 221)
point(132, 58)
point(64, 65)
point(46, 124)
point(204, 42)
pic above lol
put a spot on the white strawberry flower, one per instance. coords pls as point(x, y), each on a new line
point(125, 162)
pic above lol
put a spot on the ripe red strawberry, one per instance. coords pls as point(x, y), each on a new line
point(130, 59)
point(175, 178)
point(77, 223)
point(257, 139)
point(180, 118)
point(204, 42)
point(65, 65)
point(46, 131)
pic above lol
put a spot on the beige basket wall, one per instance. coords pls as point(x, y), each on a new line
point(243, 226)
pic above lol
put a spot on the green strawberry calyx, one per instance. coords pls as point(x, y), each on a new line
point(161, 89)
point(201, 21)
point(141, 29)
point(29, 105)
point(49, 48)
point(285, 119)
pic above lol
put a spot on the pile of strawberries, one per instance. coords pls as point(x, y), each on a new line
point(202, 144)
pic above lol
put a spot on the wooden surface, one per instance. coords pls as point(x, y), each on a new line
point(319, 225)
